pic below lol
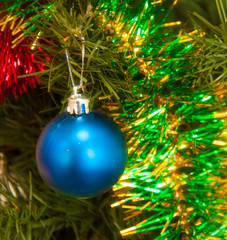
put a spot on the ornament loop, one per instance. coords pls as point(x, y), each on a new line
point(70, 69)
point(79, 102)
point(75, 88)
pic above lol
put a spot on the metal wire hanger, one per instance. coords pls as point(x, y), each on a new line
point(80, 86)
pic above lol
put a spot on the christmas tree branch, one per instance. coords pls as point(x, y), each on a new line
point(103, 73)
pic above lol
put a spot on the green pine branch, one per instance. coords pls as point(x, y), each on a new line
point(104, 73)
point(212, 63)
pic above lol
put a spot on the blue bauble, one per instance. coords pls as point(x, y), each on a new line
point(81, 155)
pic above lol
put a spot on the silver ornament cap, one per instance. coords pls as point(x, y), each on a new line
point(79, 102)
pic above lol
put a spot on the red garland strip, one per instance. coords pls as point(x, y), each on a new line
point(15, 62)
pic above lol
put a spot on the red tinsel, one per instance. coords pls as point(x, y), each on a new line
point(15, 62)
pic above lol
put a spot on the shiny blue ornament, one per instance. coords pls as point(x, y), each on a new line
point(81, 155)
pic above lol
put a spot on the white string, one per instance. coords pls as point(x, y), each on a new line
point(70, 70)
point(80, 86)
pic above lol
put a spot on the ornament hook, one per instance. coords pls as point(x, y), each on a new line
point(79, 102)
point(80, 86)
point(70, 71)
